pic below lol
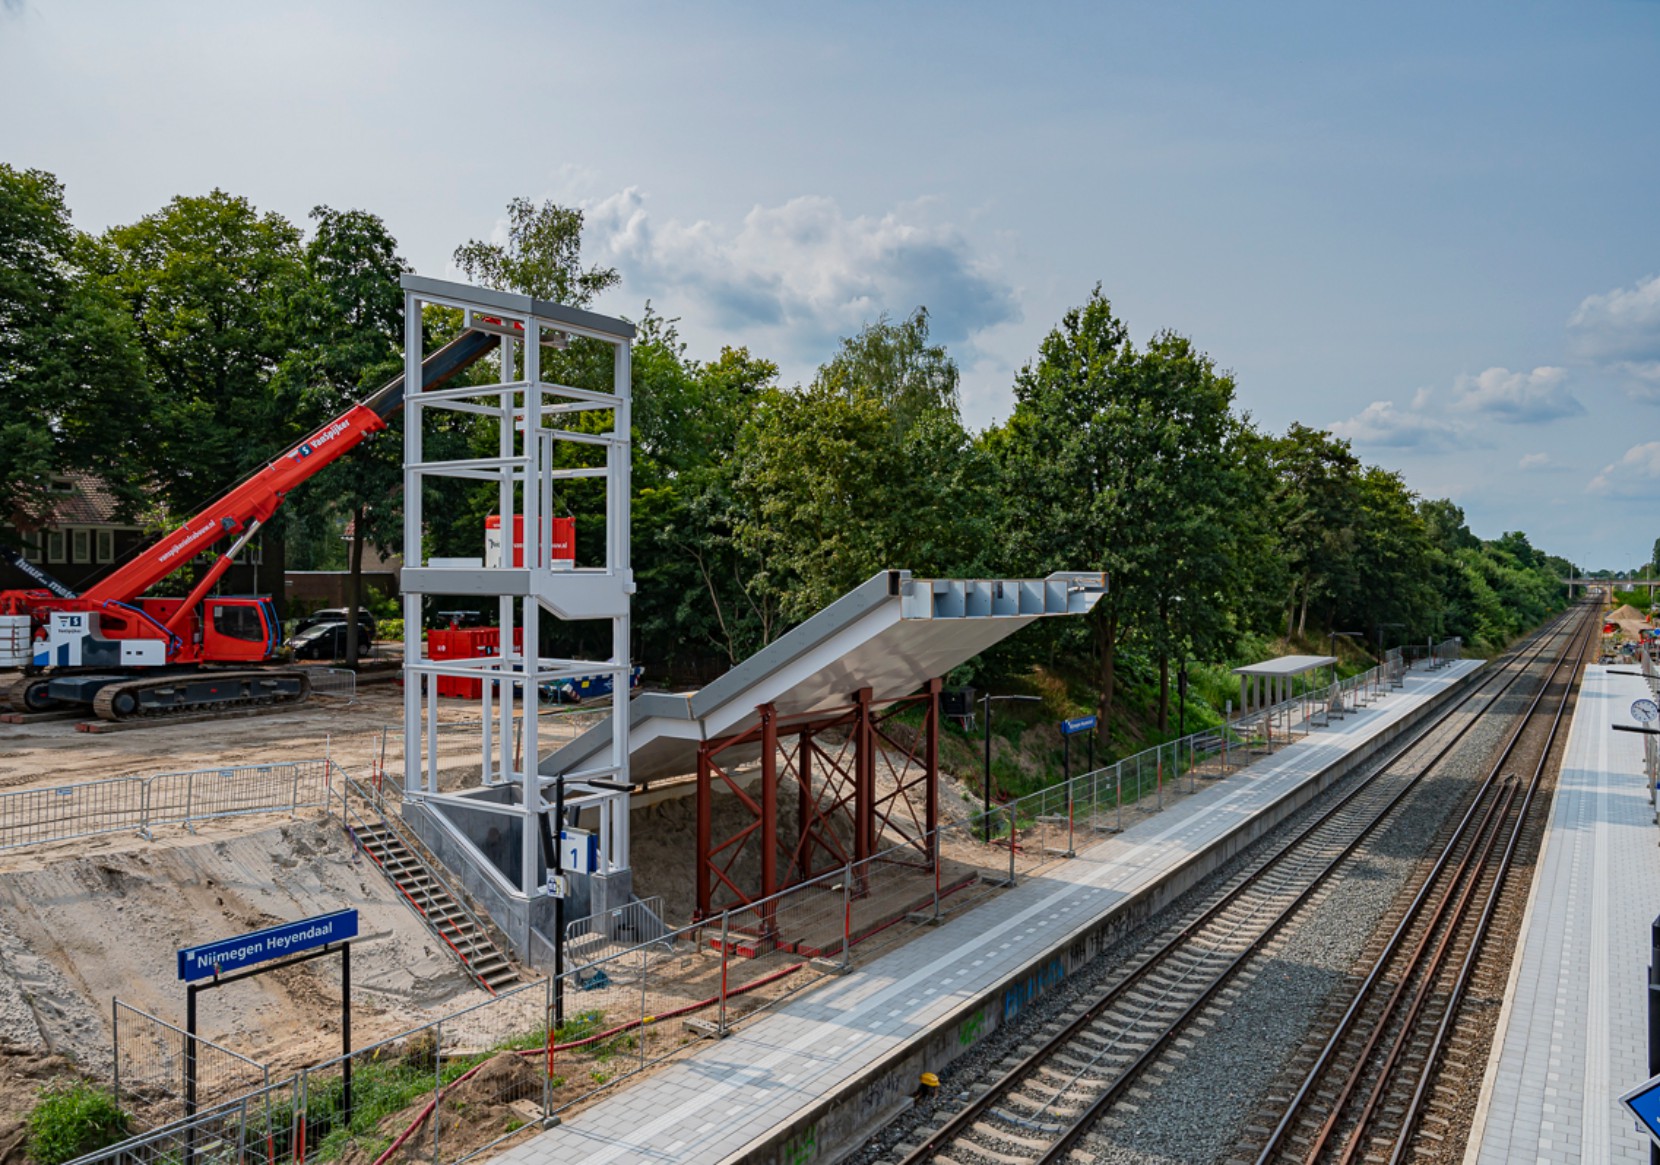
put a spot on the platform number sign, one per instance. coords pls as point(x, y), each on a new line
point(1643, 1102)
point(1645, 711)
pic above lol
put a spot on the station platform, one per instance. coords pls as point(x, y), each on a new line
point(1572, 1034)
point(808, 1081)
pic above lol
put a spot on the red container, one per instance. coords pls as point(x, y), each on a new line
point(467, 643)
point(561, 540)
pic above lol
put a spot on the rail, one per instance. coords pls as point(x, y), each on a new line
point(136, 804)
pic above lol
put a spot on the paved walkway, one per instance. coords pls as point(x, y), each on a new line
point(1572, 1036)
point(708, 1106)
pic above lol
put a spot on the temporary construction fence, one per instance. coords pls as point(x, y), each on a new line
point(339, 683)
point(140, 804)
point(153, 1071)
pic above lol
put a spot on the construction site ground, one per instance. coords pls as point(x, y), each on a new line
point(89, 919)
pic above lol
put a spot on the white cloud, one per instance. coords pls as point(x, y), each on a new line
point(1637, 474)
point(1517, 397)
point(792, 279)
point(1382, 424)
point(1539, 463)
point(1620, 326)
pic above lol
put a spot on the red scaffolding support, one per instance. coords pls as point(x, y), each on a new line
point(859, 793)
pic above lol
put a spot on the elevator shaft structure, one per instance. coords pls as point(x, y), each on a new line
point(553, 442)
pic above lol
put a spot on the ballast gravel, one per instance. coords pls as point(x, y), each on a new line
point(1198, 1110)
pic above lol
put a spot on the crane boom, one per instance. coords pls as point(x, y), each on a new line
point(257, 496)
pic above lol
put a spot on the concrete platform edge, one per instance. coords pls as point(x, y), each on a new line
point(842, 1120)
point(1489, 1075)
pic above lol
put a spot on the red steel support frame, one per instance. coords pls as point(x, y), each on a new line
point(841, 817)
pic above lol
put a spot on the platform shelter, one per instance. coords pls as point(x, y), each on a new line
point(1272, 681)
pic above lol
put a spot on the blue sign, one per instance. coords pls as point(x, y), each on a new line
point(232, 954)
point(1076, 725)
point(1643, 1102)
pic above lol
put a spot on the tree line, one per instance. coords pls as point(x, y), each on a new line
point(175, 354)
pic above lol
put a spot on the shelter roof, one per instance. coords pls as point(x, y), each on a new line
point(891, 634)
point(1286, 665)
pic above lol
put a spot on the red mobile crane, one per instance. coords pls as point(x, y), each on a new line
point(129, 656)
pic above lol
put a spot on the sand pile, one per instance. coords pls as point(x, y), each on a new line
point(1626, 613)
point(80, 929)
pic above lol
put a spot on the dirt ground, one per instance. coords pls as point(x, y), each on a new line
point(87, 920)
point(358, 735)
point(77, 931)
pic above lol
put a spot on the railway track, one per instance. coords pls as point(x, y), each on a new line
point(1365, 1091)
point(1088, 1059)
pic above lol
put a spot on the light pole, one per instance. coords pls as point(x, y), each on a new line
point(1382, 627)
point(1331, 646)
point(985, 816)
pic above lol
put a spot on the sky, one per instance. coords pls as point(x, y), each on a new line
point(1432, 229)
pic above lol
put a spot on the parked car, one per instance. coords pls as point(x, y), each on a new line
point(365, 621)
point(327, 641)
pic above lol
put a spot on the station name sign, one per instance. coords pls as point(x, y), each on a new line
point(1076, 725)
point(274, 942)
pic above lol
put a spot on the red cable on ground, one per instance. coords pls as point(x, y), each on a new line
point(427, 1109)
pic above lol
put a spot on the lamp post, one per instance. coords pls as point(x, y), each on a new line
point(1331, 646)
point(986, 700)
point(1382, 627)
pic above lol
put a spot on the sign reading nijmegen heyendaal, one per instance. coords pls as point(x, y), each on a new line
point(274, 942)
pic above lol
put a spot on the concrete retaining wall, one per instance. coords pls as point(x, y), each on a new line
point(843, 1120)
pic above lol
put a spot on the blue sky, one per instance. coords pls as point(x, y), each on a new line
point(1433, 228)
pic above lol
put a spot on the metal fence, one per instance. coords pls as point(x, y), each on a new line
point(339, 683)
point(153, 1070)
point(139, 804)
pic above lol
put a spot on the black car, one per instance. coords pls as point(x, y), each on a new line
point(365, 621)
point(327, 641)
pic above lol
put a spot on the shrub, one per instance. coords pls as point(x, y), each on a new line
point(72, 1119)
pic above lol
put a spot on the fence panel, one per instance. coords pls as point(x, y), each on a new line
point(139, 804)
point(443, 1092)
point(39, 816)
point(255, 1129)
point(187, 797)
point(340, 683)
point(152, 1068)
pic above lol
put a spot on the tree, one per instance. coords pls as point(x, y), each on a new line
point(895, 363)
point(209, 282)
point(1314, 505)
point(541, 258)
point(70, 374)
point(348, 321)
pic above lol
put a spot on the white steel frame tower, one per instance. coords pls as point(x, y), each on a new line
point(535, 417)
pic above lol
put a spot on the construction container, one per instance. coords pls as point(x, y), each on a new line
point(561, 539)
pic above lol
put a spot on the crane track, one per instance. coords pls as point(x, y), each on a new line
point(1364, 1092)
point(1090, 1059)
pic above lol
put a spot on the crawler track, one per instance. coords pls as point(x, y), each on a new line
point(1046, 1101)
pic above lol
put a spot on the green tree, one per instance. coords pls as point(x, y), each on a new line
point(895, 363)
point(542, 256)
point(1315, 502)
point(347, 319)
point(70, 374)
point(208, 282)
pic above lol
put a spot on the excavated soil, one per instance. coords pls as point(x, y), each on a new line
point(77, 931)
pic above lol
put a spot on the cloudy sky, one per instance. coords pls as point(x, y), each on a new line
point(1434, 229)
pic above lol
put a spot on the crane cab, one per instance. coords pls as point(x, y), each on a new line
point(240, 629)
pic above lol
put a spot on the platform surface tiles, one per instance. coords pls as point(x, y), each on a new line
point(726, 1096)
point(1572, 1035)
